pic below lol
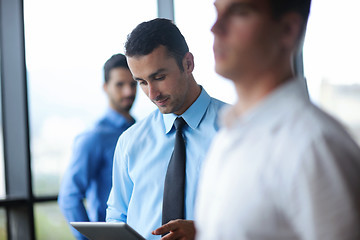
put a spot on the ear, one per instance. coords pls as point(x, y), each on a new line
point(105, 87)
point(188, 62)
point(292, 28)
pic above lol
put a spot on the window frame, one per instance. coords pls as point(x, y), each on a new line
point(18, 202)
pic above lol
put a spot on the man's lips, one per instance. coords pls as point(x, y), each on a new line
point(161, 101)
point(218, 53)
point(128, 100)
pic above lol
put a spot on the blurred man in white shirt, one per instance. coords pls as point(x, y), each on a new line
point(280, 168)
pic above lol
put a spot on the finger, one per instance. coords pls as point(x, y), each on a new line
point(171, 236)
point(161, 230)
point(170, 226)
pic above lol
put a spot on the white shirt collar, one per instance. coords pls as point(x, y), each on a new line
point(192, 115)
point(270, 108)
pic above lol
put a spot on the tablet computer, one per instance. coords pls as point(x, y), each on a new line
point(107, 231)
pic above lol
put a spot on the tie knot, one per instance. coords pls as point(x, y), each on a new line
point(179, 123)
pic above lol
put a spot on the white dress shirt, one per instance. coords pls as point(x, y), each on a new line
point(284, 170)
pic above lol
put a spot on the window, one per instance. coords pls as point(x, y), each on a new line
point(3, 232)
point(200, 40)
point(331, 60)
point(65, 54)
point(67, 44)
point(49, 222)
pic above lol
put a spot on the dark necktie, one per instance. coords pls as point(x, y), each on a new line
point(173, 202)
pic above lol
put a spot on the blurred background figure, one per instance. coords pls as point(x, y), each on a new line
point(89, 173)
point(280, 168)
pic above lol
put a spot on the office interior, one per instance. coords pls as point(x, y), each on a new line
point(51, 58)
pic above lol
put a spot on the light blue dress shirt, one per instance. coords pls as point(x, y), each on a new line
point(141, 158)
point(89, 173)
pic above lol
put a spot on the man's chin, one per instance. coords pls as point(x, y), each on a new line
point(223, 71)
point(126, 108)
point(164, 109)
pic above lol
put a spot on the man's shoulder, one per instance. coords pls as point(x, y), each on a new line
point(318, 141)
point(215, 109)
point(141, 127)
point(312, 126)
point(95, 130)
point(319, 121)
point(94, 133)
point(87, 139)
point(217, 104)
point(216, 101)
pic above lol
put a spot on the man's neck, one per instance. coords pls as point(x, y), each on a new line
point(125, 114)
point(193, 94)
point(251, 91)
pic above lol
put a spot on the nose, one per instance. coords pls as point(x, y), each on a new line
point(153, 91)
point(128, 90)
point(219, 27)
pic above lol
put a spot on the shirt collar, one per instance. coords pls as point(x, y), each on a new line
point(192, 115)
point(271, 108)
point(116, 118)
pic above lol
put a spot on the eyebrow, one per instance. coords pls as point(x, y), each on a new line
point(238, 6)
point(152, 75)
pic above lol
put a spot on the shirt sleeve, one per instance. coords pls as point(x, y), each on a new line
point(122, 185)
point(324, 192)
point(75, 183)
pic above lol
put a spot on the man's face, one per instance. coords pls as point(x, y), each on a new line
point(121, 89)
point(161, 80)
point(246, 38)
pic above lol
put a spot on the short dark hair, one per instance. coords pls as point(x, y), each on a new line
point(280, 7)
point(116, 60)
point(149, 35)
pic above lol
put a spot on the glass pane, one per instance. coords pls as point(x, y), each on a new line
point(331, 53)
point(200, 40)
point(49, 223)
point(67, 43)
point(3, 230)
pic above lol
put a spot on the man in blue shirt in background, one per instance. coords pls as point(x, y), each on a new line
point(160, 61)
point(89, 173)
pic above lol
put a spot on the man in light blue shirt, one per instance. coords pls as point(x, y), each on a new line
point(89, 173)
point(161, 63)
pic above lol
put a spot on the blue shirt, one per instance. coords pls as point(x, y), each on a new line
point(141, 159)
point(89, 173)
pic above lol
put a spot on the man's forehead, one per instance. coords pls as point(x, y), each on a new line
point(225, 4)
point(145, 71)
